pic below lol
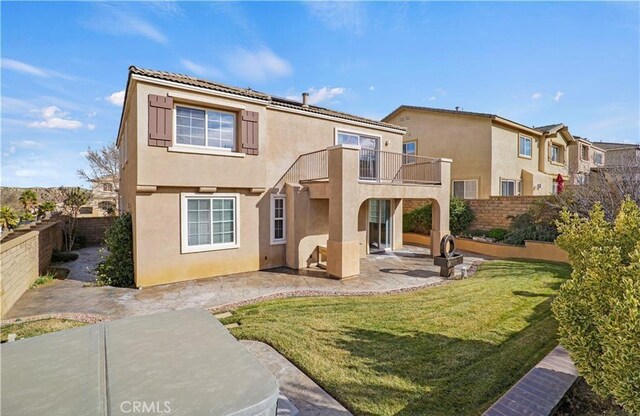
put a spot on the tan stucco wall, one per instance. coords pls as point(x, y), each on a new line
point(506, 161)
point(465, 140)
point(283, 136)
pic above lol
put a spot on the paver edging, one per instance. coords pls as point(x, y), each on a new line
point(88, 318)
point(303, 293)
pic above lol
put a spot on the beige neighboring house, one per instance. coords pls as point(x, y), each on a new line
point(104, 199)
point(620, 154)
point(492, 156)
point(584, 156)
point(224, 180)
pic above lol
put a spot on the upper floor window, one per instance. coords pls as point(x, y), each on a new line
point(107, 187)
point(556, 153)
point(598, 158)
point(585, 152)
point(465, 189)
point(525, 146)
point(209, 128)
point(409, 151)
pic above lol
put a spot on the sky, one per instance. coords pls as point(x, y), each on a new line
point(64, 65)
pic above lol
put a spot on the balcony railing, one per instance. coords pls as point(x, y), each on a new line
point(387, 167)
point(375, 166)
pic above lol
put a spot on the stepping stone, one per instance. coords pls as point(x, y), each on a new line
point(223, 315)
point(232, 325)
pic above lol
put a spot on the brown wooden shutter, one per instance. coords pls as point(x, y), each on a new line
point(160, 120)
point(249, 132)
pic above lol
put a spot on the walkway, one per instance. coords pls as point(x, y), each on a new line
point(405, 269)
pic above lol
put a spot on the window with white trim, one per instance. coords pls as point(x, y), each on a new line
point(206, 128)
point(598, 158)
point(524, 149)
point(465, 189)
point(508, 187)
point(209, 222)
point(409, 151)
point(278, 219)
point(556, 154)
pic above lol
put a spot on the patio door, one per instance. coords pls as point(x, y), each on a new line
point(369, 158)
point(379, 229)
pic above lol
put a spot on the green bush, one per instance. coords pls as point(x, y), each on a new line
point(116, 269)
point(8, 218)
point(598, 309)
point(497, 234)
point(63, 256)
point(419, 220)
point(27, 217)
point(527, 227)
point(79, 242)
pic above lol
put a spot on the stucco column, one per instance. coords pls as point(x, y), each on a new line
point(440, 211)
point(396, 209)
point(292, 238)
point(343, 247)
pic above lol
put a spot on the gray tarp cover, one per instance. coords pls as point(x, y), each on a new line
point(174, 363)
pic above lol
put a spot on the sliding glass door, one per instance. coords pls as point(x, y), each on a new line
point(379, 230)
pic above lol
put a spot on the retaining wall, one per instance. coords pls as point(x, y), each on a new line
point(535, 250)
point(93, 228)
point(23, 257)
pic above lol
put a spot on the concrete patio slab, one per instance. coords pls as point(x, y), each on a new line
point(409, 268)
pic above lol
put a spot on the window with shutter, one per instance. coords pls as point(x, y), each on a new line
point(160, 120)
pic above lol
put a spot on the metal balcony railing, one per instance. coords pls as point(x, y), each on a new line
point(397, 168)
point(307, 167)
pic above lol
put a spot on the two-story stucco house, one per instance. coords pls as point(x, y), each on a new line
point(223, 180)
point(583, 157)
point(492, 156)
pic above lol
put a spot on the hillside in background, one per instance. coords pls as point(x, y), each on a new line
point(10, 196)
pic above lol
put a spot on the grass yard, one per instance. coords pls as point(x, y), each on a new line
point(448, 350)
point(34, 328)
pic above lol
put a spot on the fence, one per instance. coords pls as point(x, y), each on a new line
point(388, 167)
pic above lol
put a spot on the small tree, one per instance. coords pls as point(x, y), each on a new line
point(45, 207)
point(104, 167)
point(116, 269)
point(29, 200)
point(598, 309)
point(72, 200)
point(8, 218)
point(419, 220)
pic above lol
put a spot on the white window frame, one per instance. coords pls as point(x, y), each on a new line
point(410, 158)
point(465, 187)
point(595, 158)
point(206, 129)
point(274, 240)
point(526, 138)
point(515, 186)
point(560, 156)
point(184, 224)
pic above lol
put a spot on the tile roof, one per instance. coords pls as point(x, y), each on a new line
point(550, 128)
point(440, 110)
point(615, 146)
point(248, 92)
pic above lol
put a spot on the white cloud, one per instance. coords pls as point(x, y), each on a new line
point(536, 95)
point(91, 126)
point(200, 70)
point(119, 19)
point(92, 114)
point(34, 173)
point(317, 96)
point(372, 88)
point(117, 98)
point(25, 68)
point(347, 15)
point(432, 98)
point(558, 95)
point(28, 144)
point(54, 118)
point(258, 65)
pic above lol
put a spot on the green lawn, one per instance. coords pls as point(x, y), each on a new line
point(39, 327)
point(448, 350)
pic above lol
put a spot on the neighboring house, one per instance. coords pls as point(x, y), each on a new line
point(492, 156)
point(223, 180)
point(104, 199)
point(620, 154)
point(583, 157)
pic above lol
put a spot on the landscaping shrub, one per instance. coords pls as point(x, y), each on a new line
point(497, 234)
point(8, 218)
point(63, 256)
point(419, 220)
point(116, 269)
point(598, 309)
point(527, 227)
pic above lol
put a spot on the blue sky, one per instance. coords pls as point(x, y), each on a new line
point(64, 65)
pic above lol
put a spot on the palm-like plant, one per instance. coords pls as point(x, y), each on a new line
point(8, 218)
point(29, 200)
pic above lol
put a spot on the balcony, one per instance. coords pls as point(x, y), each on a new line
point(374, 167)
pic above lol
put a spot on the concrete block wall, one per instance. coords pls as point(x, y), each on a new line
point(93, 228)
point(490, 213)
point(23, 257)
